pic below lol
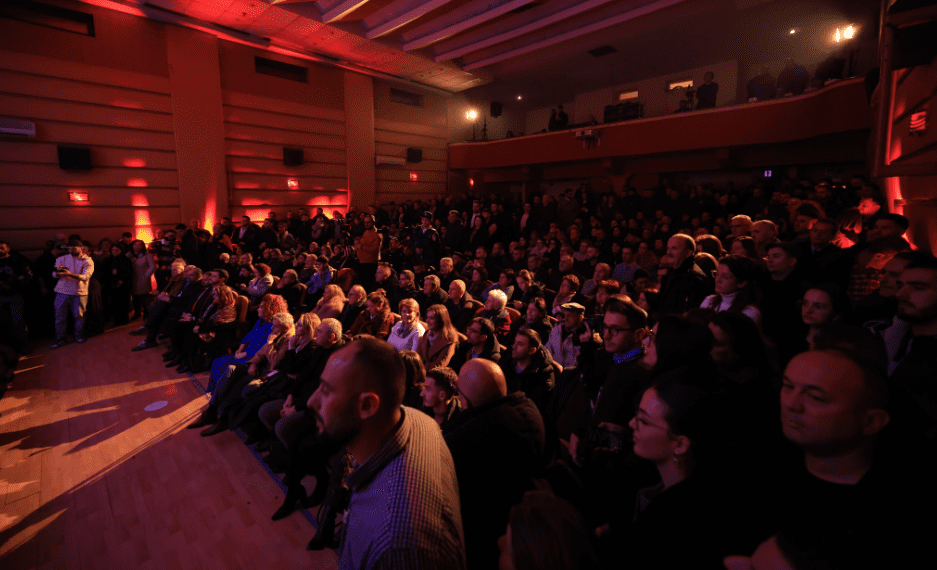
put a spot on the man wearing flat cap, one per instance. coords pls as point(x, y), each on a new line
point(73, 272)
point(426, 240)
point(563, 343)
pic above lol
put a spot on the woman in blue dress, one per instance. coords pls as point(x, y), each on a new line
point(220, 369)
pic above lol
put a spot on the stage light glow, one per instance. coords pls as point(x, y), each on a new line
point(78, 196)
point(471, 115)
point(292, 183)
point(849, 32)
point(414, 177)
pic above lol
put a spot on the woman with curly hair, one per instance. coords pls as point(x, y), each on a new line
point(331, 303)
point(202, 338)
point(376, 320)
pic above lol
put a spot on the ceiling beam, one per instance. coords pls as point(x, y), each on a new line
point(405, 18)
point(526, 29)
point(572, 34)
point(461, 26)
point(341, 9)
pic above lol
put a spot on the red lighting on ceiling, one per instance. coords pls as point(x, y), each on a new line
point(414, 176)
point(292, 183)
point(78, 196)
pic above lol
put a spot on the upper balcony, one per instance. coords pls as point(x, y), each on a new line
point(837, 108)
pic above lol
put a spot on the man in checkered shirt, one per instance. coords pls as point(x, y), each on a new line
point(404, 509)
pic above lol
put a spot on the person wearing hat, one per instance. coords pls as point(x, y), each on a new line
point(563, 343)
point(426, 240)
point(73, 272)
point(369, 252)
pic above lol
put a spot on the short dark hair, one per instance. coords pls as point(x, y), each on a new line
point(622, 305)
point(788, 248)
point(222, 274)
point(381, 369)
point(487, 326)
point(533, 337)
point(445, 379)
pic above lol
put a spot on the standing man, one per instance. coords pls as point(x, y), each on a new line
point(685, 286)
point(15, 274)
point(73, 272)
point(426, 240)
point(706, 93)
point(404, 510)
point(369, 252)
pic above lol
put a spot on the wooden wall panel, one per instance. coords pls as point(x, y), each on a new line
point(54, 197)
point(392, 138)
point(123, 116)
point(27, 151)
point(274, 151)
point(256, 130)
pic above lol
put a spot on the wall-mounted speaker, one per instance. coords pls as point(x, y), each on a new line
point(74, 158)
point(495, 109)
point(292, 156)
point(414, 155)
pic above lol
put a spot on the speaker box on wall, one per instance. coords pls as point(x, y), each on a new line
point(414, 155)
point(495, 109)
point(292, 156)
point(74, 158)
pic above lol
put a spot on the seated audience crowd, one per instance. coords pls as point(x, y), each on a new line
point(663, 378)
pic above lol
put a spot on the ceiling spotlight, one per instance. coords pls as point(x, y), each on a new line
point(849, 32)
point(519, 97)
point(793, 31)
point(838, 36)
point(473, 114)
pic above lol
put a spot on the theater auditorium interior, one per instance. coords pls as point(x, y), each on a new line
point(392, 284)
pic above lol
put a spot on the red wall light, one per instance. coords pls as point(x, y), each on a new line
point(78, 196)
point(413, 176)
point(471, 182)
point(292, 183)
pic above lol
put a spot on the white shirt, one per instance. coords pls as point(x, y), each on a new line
point(402, 339)
point(749, 311)
point(83, 266)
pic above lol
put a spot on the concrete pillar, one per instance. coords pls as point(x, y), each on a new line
point(198, 122)
point(359, 139)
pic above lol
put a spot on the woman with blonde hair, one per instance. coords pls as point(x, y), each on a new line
point(438, 345)
point(264, 362)
point(332, 302)
point(406, 334)
point(279, 382)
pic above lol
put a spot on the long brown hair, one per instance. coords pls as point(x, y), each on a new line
point(442, 315)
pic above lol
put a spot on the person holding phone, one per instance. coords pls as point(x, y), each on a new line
point(73, 272)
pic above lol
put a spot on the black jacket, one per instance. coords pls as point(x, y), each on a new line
point(498, 450)
point(684, 288)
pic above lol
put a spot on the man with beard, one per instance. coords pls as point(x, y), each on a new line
point(911, 342)
point(404, 510)
point(73, 272)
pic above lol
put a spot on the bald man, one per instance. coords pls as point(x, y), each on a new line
point(497, 443)
point(404, 509)
point(849, 503)
point(461, 306)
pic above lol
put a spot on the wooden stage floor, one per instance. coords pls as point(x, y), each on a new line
point(89, 479)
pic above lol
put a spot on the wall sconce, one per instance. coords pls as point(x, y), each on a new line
point(918, 124)
point(292, 183)
point(413, 177)
point(78, 196)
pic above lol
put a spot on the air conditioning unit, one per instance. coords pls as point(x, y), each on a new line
point(23, 128)
point(384, 160)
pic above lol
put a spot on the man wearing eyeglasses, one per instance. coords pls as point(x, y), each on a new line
point(613, 378)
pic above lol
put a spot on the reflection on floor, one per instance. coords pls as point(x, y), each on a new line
point(89, 478)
